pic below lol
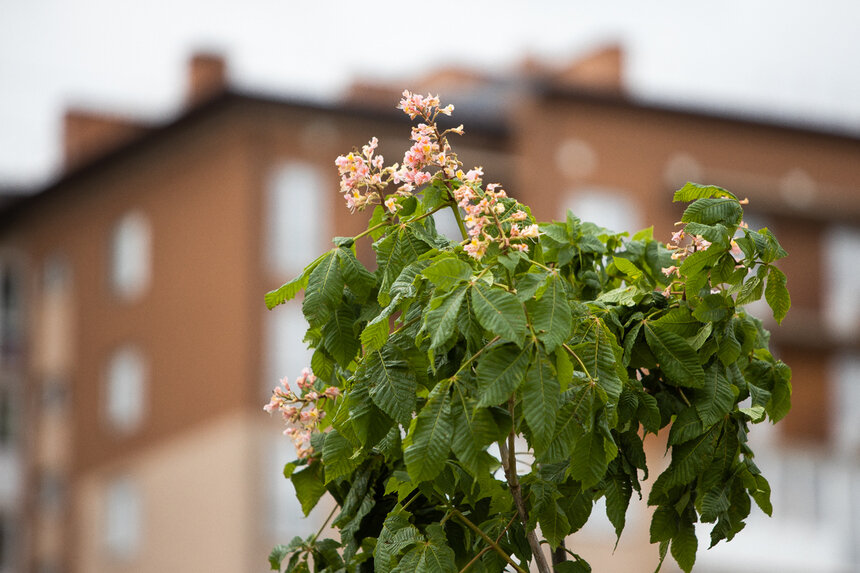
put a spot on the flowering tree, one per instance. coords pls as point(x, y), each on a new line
point(471, 399)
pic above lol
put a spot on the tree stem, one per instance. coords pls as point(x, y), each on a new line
point(509, 463)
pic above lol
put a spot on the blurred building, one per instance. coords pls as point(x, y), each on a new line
point(136, 353)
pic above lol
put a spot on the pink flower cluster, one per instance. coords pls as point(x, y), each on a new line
point(483, 210)
point(680, 252)
point(362, 176)
point(302, 411)
point(415, 104)
point(488, 220)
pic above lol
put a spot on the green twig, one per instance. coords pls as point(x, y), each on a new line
point(489, 548)
point(475, 355)
point(486, 538)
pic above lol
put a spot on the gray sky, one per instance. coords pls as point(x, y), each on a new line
point(793, 60)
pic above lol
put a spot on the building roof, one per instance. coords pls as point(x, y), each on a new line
point(489, 119)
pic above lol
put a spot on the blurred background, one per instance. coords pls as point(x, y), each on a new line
point(157, 164)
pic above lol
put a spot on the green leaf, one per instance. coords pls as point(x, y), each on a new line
point(684, 546)
point(693, 191)
point(499, 312)
point(500, 372)
point(588, 462)
point(392, 385)
point(716, 398)
point(447, 272)
point(356, 276)
point(712, 308)
point(540, 399)
point(397, 534)
point(627, 267)
point(710, 211)
point(553, 523)
point(324, 291)
point(664, 524)
point(429, 438)
point(375, 333)
point(679, 321)
point(578, 566)
point(776, 294)
point(600, 354)
point(676, 357)
point(337, 456)
point(339, 336)
point(286, 292)
point(750, 292)
point(529, 284)
point(618, 491)
point(442, 314)
point(474, 429)
point(550, 315)
point(435, 556)
point(309, 487)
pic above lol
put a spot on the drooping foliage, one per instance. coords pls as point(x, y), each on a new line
point(467, 390)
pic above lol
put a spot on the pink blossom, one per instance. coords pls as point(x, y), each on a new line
point(518, 216)
point(332, 392)
point(668, 271)
point(474, 174)
point(531, 232)
point(391, 204)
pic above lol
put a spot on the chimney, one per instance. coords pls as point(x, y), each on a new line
point(88, 135)
point(207, 77)
point(601, 71)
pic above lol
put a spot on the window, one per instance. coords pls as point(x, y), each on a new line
point(122, 525)
point(846, 397)
point(286, 354)
point(11, 318)
point(7, 417)
point(283, 510)
point(131, 256)
point(609, 208)
point(125, 392)
point(294, 238)
point(841, 296)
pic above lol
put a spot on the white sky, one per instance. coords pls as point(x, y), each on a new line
point(793, 60)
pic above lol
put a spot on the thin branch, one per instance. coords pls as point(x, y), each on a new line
point(488, 548)
point(475, 355)
point(325, 523)
point(486, 538)
point(509, 463)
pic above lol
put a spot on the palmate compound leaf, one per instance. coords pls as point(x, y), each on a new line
point(431, 556)
point(598, 351)
point(397, 534)
point(499, 312)
point(550, 314)
point(676, 357)
point(429, 440)
point(500, 372)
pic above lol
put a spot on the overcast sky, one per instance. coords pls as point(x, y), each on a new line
point(794, 61)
